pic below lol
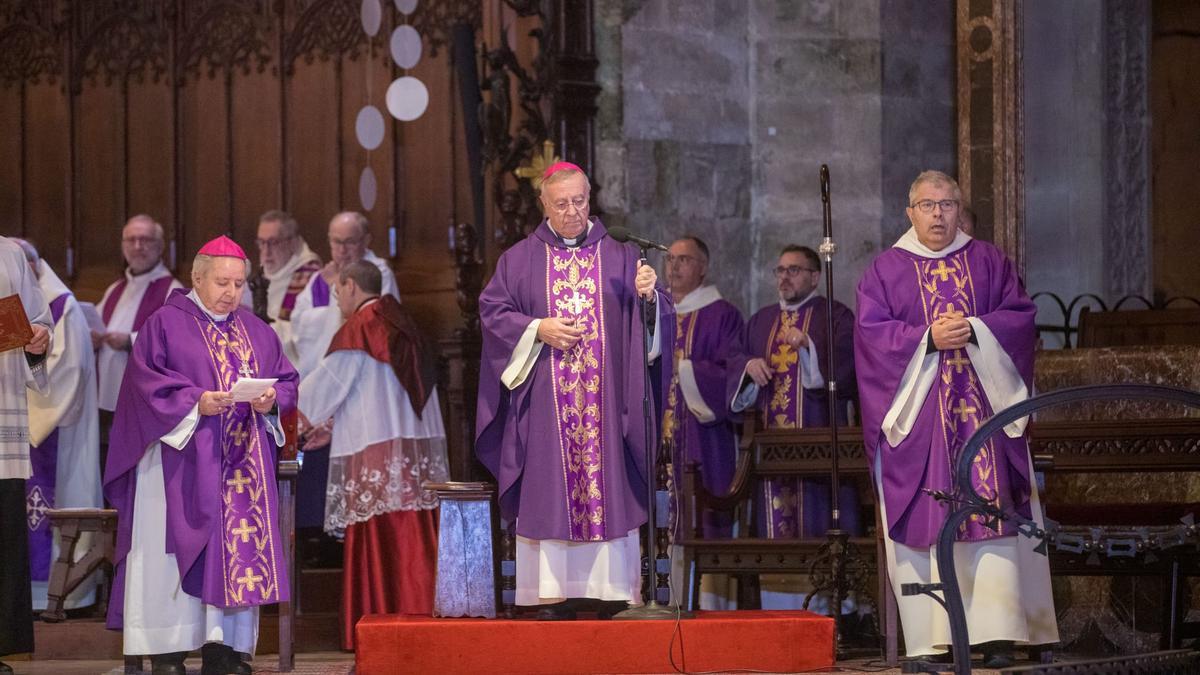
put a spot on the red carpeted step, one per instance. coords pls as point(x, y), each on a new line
point(780, 641)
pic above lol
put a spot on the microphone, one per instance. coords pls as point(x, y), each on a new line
point(623, 235)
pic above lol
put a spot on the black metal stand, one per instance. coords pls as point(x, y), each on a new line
point(837, 554)
point(969, 502)
point(651, 609)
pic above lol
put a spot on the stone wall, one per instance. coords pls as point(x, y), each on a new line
point(717, 114)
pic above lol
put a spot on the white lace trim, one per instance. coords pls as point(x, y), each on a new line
point(382, 478)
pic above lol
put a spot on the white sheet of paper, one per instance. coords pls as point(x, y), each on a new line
point(250, 388)
point(95, 322)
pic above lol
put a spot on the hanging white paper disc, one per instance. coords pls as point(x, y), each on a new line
point(406, 6)
point(407, 98)
point(366, 189)
point(372, 16)
point(406, 46)
point(369, 127)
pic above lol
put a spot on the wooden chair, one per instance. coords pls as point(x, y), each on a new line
point(763, 454)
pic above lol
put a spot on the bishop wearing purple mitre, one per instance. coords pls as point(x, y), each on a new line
point(191, 472)
point(944, 339)
point(560, 421)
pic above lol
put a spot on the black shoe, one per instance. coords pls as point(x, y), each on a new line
point(168, 664)
point(220, 659)
point(559, 611)
point(609, 609)
point(5, 669)
point(997, 654)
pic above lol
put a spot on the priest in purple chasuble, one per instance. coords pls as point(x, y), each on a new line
point(696, 421)
point(64, 435)
point(695, 418)
point(191, 473)
point(560, 420)
point(782, 375)
point(944, 339)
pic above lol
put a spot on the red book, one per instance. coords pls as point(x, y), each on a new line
point(15, 331)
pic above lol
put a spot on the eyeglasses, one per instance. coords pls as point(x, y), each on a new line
point(272, 243)
point(140, 241)
point(681, 259)
point(563, 205)
point(792, 270)
point(355, 241)
point(926, 205)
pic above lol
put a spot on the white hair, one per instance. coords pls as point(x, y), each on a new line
point(937, 178)
point(159, 232)
point(357, 219)
point(201, 264)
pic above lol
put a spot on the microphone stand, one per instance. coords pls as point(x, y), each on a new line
point(651, 609)
point(844, 564)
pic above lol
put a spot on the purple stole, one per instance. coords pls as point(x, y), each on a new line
point(573, 288)
point(39, 488)
point(250, 555)
point(783, 498)
point(320, 293)
point(947, 289)
point(675, 411)
point(155, 296)
point(297, 283)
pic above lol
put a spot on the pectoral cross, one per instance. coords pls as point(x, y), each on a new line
point(958, 362)
point(244, 531)
point(575, 303)
point(238, 482)
point(963, 410)
point(249, 579)
point(942, 271)
point(244, 371)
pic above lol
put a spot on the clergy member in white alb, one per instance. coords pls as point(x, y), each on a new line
point(288, 264)
point(64, 435)
point(127, 303)
point(19, 369)
point(316, 317)
point(378, 384)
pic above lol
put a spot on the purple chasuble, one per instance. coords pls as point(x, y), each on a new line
point(221, 500)
point(703, 337)
point(320, 291)
point(899, 297)
point(40, 487)
point(793, 507)
point(567, 444)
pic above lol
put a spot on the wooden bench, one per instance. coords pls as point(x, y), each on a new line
point(67, 573)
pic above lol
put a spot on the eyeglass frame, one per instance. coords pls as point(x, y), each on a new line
point(947, 205)
point(780, 270)
point(272, 243)
point(579, 205)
